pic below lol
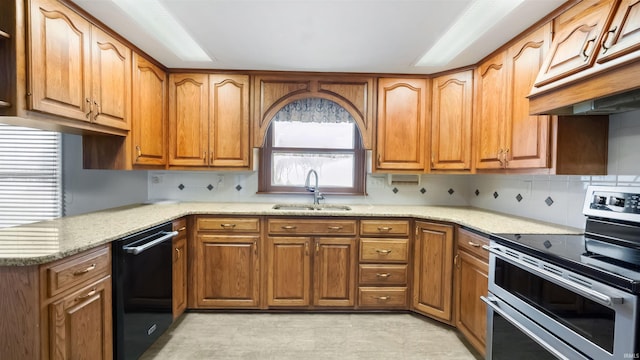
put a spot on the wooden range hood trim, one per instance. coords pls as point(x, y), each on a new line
point(592, 84)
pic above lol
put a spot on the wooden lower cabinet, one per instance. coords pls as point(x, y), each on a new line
point(291, 282)
point(228, 271)
point(471, 282)
point(179, 268)
point(80, 324)
point(433, 270)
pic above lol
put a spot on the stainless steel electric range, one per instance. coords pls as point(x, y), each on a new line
point(569, 296)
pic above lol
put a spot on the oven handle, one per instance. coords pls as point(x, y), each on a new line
point(138, 249)
point(582, 290)
point(490, 301)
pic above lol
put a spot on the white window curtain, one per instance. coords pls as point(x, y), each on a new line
point(30, 175)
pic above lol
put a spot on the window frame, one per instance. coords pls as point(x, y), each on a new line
point(265, 167)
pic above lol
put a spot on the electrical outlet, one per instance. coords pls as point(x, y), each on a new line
point(220, 181)
point(156, 179)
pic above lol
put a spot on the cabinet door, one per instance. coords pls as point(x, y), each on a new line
point(489, 122)
point(111, 79)
point(527, 137)
point(451, 121)
point(149, 113)
point(179, 275)
point(188, 119)
point(289, 274)
point(334, 266)
point(402, 124)
point(80, 324)
point(229, 117)
point(433, 270)
point(60, 67)
point(227, 271)
point(579, 31)
point(623, 36)
point(471, 312)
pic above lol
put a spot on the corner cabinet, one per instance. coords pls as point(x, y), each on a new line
point(402, 125)
point(433, 270)
point(149, 115)
point(77, 70)
point(209, 121)
point(451, 121)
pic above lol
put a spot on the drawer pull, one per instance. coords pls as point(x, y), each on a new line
point(474, 244)
point(288, 227)
point(383, 298)
point(383, 252)
point(383, 275)
point(88, 295)
point(82, 272)
point(226, 226)
point(384, 228)
point(182, 229)
point(335, 227)
point(177, 253)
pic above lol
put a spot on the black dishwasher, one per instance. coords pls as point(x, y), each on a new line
point(142, 290)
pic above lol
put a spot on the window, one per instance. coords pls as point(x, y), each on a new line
point(30, 176)
point(313, 134)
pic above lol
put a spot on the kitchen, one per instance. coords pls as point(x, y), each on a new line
point(556, 199)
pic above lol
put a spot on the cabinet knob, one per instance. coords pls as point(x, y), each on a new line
point(138, 152)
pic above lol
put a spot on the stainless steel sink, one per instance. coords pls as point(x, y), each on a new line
point(298, 207)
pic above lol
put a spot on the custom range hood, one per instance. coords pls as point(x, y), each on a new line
point(613, 104)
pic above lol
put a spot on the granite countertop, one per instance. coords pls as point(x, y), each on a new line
point(46, 241)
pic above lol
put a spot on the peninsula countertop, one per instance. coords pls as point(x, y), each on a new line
point(47, 241)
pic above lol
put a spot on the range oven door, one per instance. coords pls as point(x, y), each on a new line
point(591, 318)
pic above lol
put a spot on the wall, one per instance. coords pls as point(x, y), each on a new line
point(92, 190)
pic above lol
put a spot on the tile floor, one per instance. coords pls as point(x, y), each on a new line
point(308, 337)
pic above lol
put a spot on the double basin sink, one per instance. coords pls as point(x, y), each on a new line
point(304, 207)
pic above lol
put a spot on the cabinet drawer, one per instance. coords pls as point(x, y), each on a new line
point(384, 250)
point(384, 227)
point(384, 275)
point(382, 297)
point(180, 225)
point(472, 243)
point(228, 224)
point(64, 274)
point(312, 227)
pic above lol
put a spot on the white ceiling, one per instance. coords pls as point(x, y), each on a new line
point(380, 36)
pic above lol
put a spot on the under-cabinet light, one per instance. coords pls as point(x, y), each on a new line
point(159, 23)
point(479, 17)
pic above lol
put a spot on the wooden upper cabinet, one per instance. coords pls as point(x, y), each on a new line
point(579, 32)
point(402, 124)
point(60, 64)
point(77, 70)
point(490, 115)
point(111, 79)
point(229, 121)
point(451, 121)
point(188, 119)
point(527, 137)
point(149, 113)
point(623, 35)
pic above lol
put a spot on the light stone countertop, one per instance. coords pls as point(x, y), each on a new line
point(46, 241)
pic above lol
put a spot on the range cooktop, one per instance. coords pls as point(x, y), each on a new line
point(570, 251)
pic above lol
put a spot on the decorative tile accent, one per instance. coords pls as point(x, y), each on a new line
point(549, 201)
point(238, 187)
point(495, 195)
point(210, 187)
point(477, 192)
point(519, 197)
point(423, 190)
point(181, 187)
point(395, 190)
point(450, 191)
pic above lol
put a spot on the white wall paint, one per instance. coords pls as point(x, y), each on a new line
point(91, 190)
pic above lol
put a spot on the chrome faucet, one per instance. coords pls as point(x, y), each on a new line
point(317, 195)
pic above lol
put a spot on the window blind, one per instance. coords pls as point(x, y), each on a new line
point(30, 175)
